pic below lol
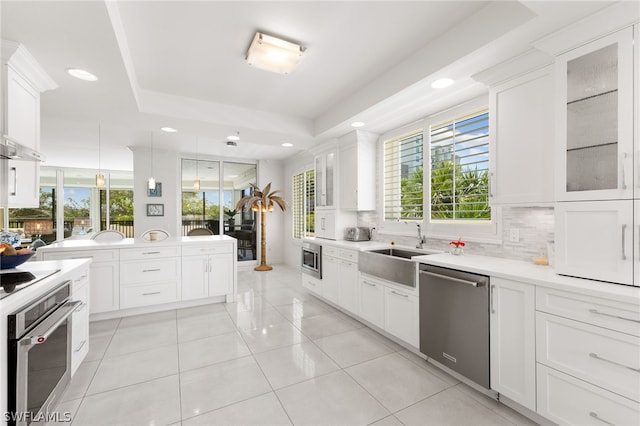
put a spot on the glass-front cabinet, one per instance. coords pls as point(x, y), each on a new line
point(595, 115)
point(325, 172)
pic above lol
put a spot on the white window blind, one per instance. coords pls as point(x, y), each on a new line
point(460, 168)
point(403, 185)
point(303, 204)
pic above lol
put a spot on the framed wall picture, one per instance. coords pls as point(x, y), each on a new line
point(155, 209)
point(155, 192)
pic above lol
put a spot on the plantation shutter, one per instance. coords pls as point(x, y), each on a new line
point(309, 215)
point(460, 168)
point(298, 205)
point(403, 188)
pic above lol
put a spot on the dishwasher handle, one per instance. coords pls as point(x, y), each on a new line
point(448, 278)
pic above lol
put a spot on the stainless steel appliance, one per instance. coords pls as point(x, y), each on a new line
point(39, 355)
point(359, 233)
point(312, 259)
point(14, 280)
point(454, 321)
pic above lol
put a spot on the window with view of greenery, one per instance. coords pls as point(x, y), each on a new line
point(403, 178)
point(304, 204)
point(459, 151)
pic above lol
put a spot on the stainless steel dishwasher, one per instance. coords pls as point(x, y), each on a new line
point(454, 321)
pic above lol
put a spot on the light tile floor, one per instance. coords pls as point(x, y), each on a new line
point(277, 356)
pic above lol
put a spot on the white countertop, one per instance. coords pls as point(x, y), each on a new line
point(516, 270)
point(133, 242)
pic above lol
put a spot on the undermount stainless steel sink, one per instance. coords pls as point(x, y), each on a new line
point(392, 264)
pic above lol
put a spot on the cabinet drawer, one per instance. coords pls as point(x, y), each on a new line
point(149, 252)
point(94, 255)
point(80, 280)
point(330, 251)
point(603, 357)
point(566, 400)
point(208, 249)
point(312, 284)
point(624, 317)
point(144, 295)
point(145, 271)
point(348, 255)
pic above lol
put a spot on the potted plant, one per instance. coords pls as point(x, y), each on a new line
point(231, 216)
point(262, 201)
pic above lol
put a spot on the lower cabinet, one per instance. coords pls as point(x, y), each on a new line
point(330, 278)
point(207, 271)
point(512, 341)
point(348, 291)
point(372, 301)
point(80, 319)
point(151, 280)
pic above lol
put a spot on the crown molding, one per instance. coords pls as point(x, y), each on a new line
point(527, 61)
point(19, 58)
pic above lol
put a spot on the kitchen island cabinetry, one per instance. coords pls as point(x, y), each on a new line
point(512, 340)
point(206, 271)
point(80, 320)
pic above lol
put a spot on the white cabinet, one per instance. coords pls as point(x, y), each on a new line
point(401, 315)
point(594, 239)
point(512, 341)
point(207, 271)
point(595, 119)
point(80, 318)
point(340, 277)
point(325, 178)
point(348, 290)
point(372, 301)
point(522, 140)
point(330, 275)
point(325, 226)
point(358, 171)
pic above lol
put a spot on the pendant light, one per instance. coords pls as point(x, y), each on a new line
point(196, 182)
point(99, 176)
point(152, 180)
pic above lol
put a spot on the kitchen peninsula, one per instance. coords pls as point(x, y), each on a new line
point(135, 276)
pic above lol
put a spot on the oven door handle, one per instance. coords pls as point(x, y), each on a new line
point(40, 334)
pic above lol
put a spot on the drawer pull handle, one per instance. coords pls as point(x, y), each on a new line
point(624, 229)
point(82, 257)
point(491, 305)
point(597, 312)
point(595, 416)
point(369, 284)
point(81, 307)
point(151, 270)
point(151, 294)
point(399, 294)
point(596, 356)
point(81, 346)
point(151, 252)
point(80, 279)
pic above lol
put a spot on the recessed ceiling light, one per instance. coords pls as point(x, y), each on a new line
point(287, 145)
point(441, 83)
point(168, 129)
point(81, 74)
point(357, 124)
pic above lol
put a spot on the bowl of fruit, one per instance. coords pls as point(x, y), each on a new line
point(10, 256)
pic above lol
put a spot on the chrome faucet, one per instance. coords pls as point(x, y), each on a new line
point(420, 237)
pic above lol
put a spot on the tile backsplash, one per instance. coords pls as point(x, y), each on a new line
point(534, 224)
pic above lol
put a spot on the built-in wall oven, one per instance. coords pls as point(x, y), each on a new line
point(312, 259)
point(39, 355)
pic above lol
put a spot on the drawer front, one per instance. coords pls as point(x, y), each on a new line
point(94, 255)
point(80, 280)
point(207, 249)
point(141, 271)
point(624, 317)
point(149, 253)
point(599, 356)
point(312, 284)
point(330, 251)
point(566, 400)
point(351, 255)
point(144, 295)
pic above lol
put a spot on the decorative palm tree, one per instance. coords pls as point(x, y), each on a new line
point(262, 201)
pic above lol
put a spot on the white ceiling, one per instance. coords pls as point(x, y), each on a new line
point(181, 64)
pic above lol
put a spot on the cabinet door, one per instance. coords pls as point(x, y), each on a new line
point(522, 143)
point(348, 291)
point(23, 110)
point(595, 117)
point(325, 224)
point(330, 278)
point(594, 240)
point(512, 331)
point(80, 321)
point(23, 183)
point(220, 274)
point(105, 287)
point(330, 179)
point(401, 315)
point(349, 177)
point(372, 301)
point(194, 277)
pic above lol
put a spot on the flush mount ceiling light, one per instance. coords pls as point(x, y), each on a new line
point(81, 74)
point(357, 124)
point(441, 83)
point(168, 129)
point(274, 54)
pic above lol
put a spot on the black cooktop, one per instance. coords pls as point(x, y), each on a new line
point(14, 280)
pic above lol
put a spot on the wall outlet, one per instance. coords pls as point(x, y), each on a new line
point(514, 235)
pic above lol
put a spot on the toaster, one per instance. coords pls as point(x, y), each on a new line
point(359, 233)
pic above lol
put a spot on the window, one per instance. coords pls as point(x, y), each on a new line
point(403, 178)
point(459, 150)
point(303, 204)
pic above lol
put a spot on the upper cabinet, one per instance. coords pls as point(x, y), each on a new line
point(358, 171)
point(595, 119)
point(325, 170)
point(23, 79)
point(521, 138)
